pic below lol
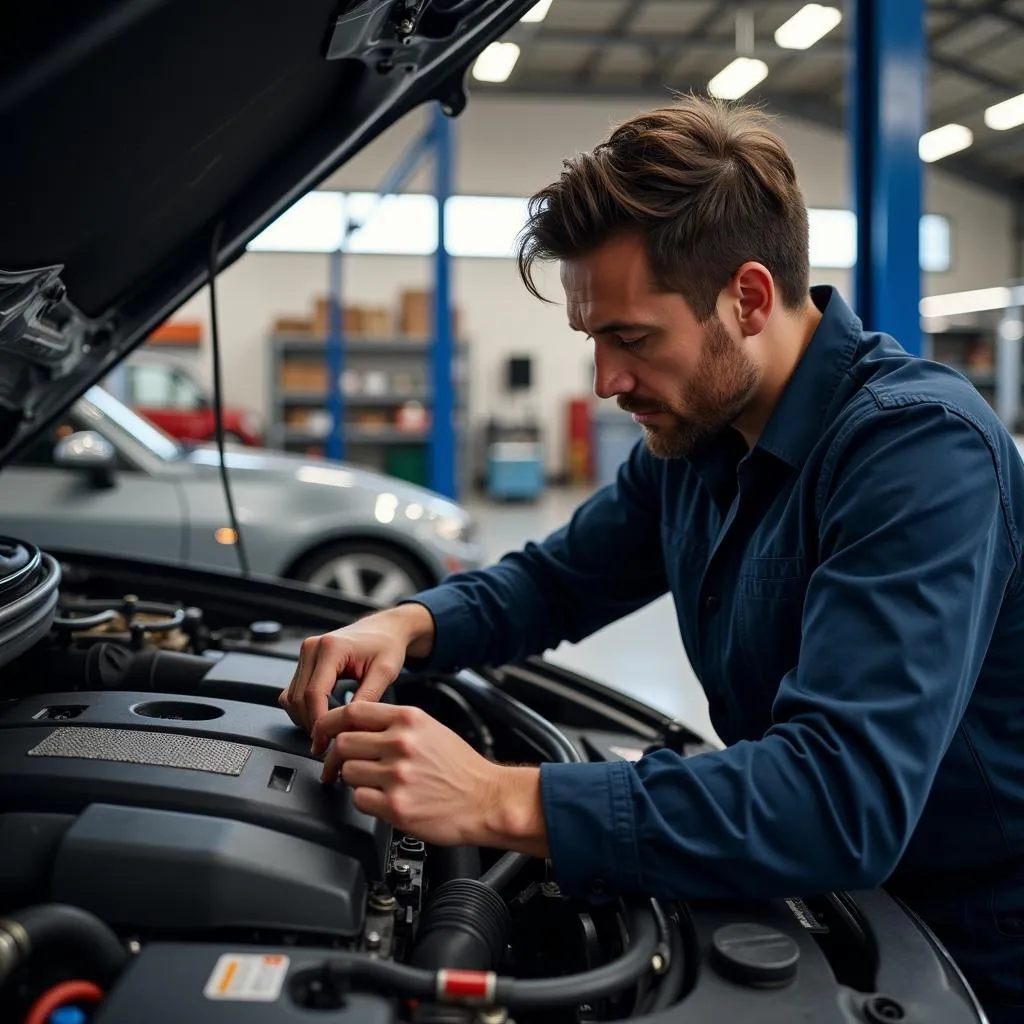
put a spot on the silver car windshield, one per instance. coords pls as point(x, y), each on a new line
point(151, 437)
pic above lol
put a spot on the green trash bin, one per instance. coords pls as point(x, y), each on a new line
point(408, 462)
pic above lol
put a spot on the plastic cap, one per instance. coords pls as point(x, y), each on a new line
point(67, 1015)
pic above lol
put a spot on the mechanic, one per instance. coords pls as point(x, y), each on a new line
point(839, 525)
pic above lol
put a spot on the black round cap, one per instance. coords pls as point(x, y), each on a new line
point(754, 955)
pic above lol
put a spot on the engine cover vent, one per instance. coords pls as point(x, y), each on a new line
point(140, 746)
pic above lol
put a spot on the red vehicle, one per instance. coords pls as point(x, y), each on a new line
point(168, 395)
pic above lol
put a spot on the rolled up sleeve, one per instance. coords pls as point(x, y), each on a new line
point(914, 558)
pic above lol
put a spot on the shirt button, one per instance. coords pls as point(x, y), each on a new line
point(712, 603)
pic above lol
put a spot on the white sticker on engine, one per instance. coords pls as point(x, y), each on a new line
point(248, 977)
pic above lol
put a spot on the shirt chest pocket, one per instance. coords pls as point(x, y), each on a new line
point(769, 605)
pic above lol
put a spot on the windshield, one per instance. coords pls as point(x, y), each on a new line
point(162, 445)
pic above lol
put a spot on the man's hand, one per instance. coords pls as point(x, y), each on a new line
point(411, 771)
point(372, 651)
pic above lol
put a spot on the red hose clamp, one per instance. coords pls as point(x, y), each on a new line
point(467, 987)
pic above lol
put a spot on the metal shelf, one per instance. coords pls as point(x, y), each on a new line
point(319, 399)
point(358, 435)
point(299, 345)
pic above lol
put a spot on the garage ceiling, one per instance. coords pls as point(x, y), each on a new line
point(623, 48)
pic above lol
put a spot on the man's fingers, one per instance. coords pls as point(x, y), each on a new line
point(361, 746)
point(326, 727)
point(365, 773)
point(332, 658)
point(369, 772)
point(373, 802)
point(291, 697)
point(356, 716)
point(370, 716)
point(374, 684)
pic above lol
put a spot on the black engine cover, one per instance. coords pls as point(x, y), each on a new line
point(188, 806)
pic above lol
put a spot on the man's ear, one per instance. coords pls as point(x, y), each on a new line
point(751, 296)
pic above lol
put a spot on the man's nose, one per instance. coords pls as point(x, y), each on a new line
point(611, 378)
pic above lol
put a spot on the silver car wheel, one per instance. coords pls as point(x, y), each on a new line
point(365, 577)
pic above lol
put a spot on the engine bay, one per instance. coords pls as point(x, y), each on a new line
point(169, 852)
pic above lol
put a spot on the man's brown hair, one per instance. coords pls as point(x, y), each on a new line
point(708, 185)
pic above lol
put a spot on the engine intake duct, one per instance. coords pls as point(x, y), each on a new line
point(466, 927)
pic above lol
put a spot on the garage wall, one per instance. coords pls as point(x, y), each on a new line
point(514, 146)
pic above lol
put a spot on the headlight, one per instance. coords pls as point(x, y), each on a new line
point(451, 529)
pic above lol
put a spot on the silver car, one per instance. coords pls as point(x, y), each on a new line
point(106, 480)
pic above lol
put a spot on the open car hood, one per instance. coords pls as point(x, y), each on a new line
point(144, 138)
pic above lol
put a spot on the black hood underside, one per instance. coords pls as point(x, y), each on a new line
point(141, 136)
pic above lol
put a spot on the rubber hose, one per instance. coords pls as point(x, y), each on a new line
point(416, 983)
point(451, 862)
point(670, 987)
point(555, 744)
point(504, 870)
point(35, 929)
point(36, 597)
point(588, 986)
point(465, 926)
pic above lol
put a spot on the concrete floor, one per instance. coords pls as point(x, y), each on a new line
point(641, 655)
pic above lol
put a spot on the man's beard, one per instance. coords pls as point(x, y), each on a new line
point(722, 385)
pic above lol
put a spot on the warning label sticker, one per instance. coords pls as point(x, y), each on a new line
point(248, 977)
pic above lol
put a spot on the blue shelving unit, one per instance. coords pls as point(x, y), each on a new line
point(437, 141)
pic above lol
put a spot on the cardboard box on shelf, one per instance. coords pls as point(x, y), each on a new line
point(416, 314)
point(303, 376)
point(293, 325)
point(359, 322)
point(377, 322)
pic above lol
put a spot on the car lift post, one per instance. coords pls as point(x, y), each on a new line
point(442, 423)
point(887, 104)
point(437, 137)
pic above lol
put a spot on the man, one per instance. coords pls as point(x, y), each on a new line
point(839, 525)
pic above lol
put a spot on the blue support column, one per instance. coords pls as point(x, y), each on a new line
point(887, 90)
point(442, 434)
point(334, 445)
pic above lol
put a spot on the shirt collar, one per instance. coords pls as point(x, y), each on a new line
point(799, 417)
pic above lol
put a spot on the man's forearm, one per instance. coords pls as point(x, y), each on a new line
point(417, 627)
point(514, 817)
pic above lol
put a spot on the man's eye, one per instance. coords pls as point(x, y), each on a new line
point(632, 342)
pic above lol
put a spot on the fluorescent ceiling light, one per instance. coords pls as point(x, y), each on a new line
point(738, 78)
point(538, 12)
point(943, 142)
point(956, 303)
point(807, 26)
point(1006, 115)
point(495, 64)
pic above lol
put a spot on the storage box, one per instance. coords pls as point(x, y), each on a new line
point(415, 317)
point(303, 376)
point(515, 469)
point(416, 314)
point(293, 325)
point(352, 324)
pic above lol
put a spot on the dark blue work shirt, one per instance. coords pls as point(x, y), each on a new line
point(849, 593)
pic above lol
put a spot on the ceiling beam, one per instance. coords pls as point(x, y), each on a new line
point(618, 28)
point(813, 109)
point(683, 43)
point(996, 83)
point(994, 9)
point(669, 54)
